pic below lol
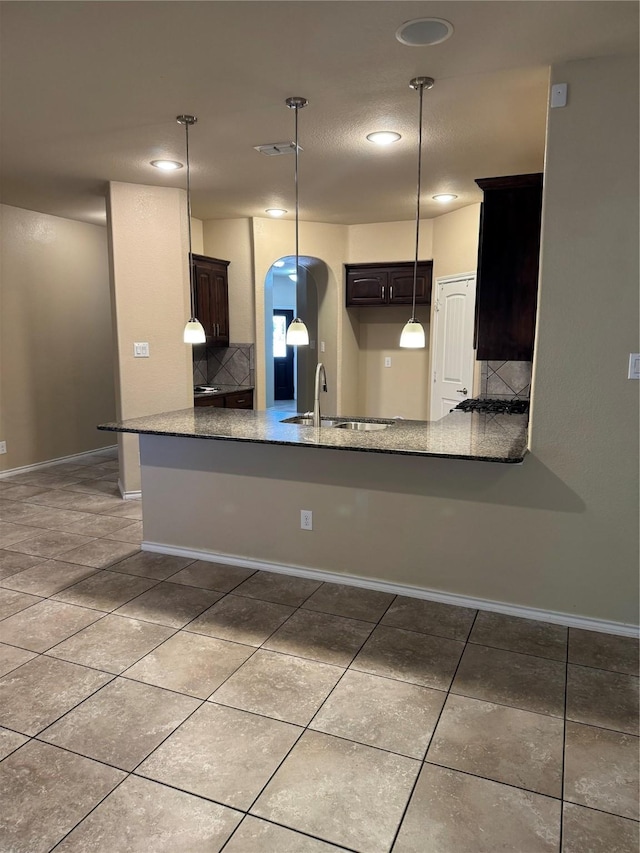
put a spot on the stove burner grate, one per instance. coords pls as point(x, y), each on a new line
point(495, 407)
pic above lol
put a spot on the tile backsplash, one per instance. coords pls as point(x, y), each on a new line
point(232, 365)
point(509, 379)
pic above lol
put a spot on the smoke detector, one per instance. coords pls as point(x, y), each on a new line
point(274, 149)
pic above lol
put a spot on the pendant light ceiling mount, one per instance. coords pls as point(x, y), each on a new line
point(413, 336)
point(193, 331)
point(297, 333)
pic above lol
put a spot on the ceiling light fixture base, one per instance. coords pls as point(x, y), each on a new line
point(421, 83)
point(186, 120)
point(296, 103)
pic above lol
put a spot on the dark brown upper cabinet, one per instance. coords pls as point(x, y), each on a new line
point(212, 298)
point(508, 258)
point(388, 284)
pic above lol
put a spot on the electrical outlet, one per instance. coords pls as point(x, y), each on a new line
point(3, 446)
point(387, 361)
point(306, 519)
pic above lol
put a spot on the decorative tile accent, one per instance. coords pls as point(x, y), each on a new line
point(510, 379)
point(232, 365)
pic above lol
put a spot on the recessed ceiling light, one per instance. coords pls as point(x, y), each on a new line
point(275, 211)
point(383, 137)
point(166, 165)
point(278, 263)
point(443, 198)
point(424, 31)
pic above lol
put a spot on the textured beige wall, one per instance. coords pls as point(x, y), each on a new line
point(388, 241)
point(150, 300)
point(56, 375)
point(455, 241)
point(230, 239)
point(558, 532)
point(401, 389)
point(197, 236)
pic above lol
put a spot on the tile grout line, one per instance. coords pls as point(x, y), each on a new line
point(435, 728)
point(306, 727)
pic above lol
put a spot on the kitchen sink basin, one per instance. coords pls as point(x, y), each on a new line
point(304, 420)
point(363, 426)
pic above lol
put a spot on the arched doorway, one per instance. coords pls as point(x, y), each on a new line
point(289, 371)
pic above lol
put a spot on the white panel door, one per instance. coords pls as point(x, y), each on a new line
point(452, 337)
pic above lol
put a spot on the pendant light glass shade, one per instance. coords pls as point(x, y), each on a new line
point(413, 336)
point(194, 332)
point(297, 334)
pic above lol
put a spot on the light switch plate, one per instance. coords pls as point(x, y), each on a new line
point(141, 350)
point(634, 365)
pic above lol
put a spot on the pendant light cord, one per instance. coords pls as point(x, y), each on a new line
point(191, 287)
point(295, 110)
point(415, 263)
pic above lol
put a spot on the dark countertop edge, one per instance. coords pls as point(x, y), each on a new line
point(391, 452)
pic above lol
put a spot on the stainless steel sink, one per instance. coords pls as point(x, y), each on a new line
point(363, 426)
point(303, 420)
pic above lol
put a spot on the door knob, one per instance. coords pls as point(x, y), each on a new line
point(462, 391)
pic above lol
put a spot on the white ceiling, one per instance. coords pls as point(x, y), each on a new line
point(90, 91)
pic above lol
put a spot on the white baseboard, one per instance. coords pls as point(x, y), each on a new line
point(76, 457)
point(568, 619)
point(129, 496)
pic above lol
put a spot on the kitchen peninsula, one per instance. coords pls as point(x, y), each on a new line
point(460, 435)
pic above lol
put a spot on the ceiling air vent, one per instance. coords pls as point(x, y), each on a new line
point(275, 148)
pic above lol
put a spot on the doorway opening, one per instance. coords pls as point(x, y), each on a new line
point(289, 370)
point(283, 359)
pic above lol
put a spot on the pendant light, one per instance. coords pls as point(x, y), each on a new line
point(297, 333)
point(194, 330)
point(412, 336)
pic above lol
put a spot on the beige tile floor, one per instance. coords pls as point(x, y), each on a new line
point(153, 704)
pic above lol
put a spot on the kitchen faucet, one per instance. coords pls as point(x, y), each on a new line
point(320, 371)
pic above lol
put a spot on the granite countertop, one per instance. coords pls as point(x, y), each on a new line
point(221, 389)
point(459, 435)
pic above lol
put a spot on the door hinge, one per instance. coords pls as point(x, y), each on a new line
point(434, 376)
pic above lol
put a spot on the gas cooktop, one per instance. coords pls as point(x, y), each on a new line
point(494, 407)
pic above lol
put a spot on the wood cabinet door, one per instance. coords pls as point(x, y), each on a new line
point(508, 268)
point(401, 286)
point(212, 298)
point(367, 288)
point(220, 307)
